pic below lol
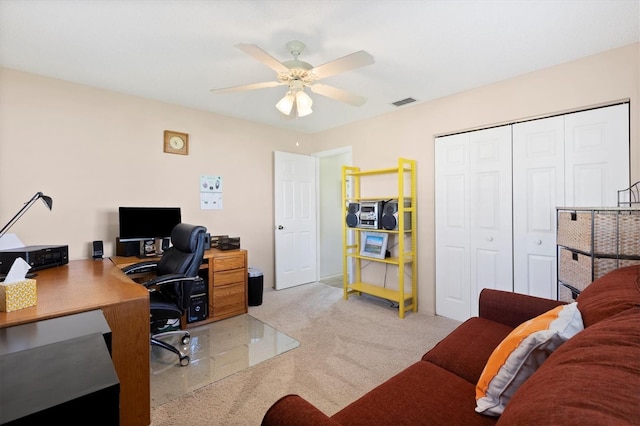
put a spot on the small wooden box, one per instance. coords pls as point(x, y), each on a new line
point(18, 295)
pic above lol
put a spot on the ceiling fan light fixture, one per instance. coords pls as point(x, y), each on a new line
point(303, 104)
point(285, 105)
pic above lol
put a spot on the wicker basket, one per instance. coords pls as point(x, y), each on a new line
point(564, 294)
point(574, 230)
point(614, 232)
point(575, 268)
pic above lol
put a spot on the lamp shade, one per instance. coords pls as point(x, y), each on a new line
point(285, 105)
point(48, 201)
point(303, 104)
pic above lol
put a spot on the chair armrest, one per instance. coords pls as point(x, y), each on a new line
point(169, 279)
point(512, 309)
point(147, 266)
point(180, 294)
point(293, 410)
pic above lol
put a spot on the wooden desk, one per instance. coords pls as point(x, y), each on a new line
point(84, 285)
point(226, 272)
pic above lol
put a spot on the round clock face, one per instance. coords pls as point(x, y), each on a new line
point(176, 142)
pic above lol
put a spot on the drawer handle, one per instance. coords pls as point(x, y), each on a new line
point(489, 238)
point(538, 242)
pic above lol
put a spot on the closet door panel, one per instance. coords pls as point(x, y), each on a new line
point(538, 187)
point(596, 156)
point(490, 219)
point(452, 226)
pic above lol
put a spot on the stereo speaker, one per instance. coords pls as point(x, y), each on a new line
point(130, 248)
point(166, 243)
point(389, 218)
point(353, 213)
point(207, 241)
point(98, 250)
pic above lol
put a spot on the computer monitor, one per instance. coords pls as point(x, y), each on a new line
point(147, 223)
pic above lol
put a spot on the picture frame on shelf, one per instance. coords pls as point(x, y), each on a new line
point(373, 244)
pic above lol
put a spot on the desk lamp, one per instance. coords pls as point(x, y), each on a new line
point(47, 200)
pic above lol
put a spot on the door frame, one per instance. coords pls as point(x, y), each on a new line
point(348, 150)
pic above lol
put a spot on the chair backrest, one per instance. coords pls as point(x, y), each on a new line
point(183, 257)
point(186, 253)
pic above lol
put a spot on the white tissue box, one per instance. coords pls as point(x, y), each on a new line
point(18, 295)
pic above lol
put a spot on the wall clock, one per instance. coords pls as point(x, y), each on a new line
point(176, 142)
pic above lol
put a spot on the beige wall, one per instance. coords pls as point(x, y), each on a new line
point(94, 150)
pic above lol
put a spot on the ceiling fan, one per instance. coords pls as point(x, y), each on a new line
point(298, 75)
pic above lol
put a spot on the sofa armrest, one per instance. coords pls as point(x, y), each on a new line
point(293, 410)
point(512, 309)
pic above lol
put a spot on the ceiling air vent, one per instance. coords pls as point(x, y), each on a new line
point(403, 102)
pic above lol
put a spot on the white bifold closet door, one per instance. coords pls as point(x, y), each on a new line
point(574, 160)
point(496, 193)
point(473, 216)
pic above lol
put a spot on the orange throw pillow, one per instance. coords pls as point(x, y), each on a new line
point(520, 354)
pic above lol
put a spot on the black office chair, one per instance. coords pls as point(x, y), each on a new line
point(170, 291)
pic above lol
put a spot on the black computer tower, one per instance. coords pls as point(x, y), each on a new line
point(199, 306)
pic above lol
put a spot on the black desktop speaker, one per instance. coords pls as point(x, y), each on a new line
point(389, 220)
point(207, 241)
point(131, 248)
point(353, 212)
point(98, 250)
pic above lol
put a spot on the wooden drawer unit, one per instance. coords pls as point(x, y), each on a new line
point(228, 286)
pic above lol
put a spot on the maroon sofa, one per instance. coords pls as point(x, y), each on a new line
point(591, 379)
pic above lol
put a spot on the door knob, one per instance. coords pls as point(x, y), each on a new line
point(489, 238)
point(280, 227)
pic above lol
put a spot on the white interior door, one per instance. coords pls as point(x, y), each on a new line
point(452, 226)
point(596, 156)
point(538, 188)
point(490, 202)
point(295, 219)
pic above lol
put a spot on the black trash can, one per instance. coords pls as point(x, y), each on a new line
point(256, 282)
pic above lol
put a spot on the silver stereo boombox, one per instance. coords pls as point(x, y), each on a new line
point(370, 214)
point(376, 215)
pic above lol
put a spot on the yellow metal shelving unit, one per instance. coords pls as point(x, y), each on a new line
point(405, 173)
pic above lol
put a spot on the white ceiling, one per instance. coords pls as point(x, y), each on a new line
point(176, 51)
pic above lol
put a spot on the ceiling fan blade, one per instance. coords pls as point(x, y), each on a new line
point(246, 87)
point(262, 56)
point(338, 94)
point(346, 63)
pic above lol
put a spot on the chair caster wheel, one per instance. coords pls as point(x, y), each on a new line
point(184, 360)
point(186, 340)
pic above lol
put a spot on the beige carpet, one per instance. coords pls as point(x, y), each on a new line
point(346, 348)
